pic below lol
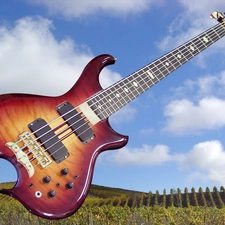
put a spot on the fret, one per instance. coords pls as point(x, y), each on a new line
point(185, 51)
point(177, 59)
point(132, 86)
point(163, 64)
point(147, 80)
point(128, 94)
point(113, 98)
point(167, 62)
point(159, 68)
point(93, 104)
point(192, 50)
point(129, 87)
point(204, 40)
point(100, 110)
point(182, 57)
point(197, 45)
point(149, 75)
point(109, 105)
point(173, 61)
point(220, 34)
point(120, 95)
point(117, 98)
point(142, 81)
point(215, 33)
point(124, 93)
point(154, 72)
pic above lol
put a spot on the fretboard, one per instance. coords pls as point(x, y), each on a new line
point(110, 100)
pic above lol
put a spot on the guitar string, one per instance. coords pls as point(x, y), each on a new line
point(143, 80)
point(160, 58)
point(175, 59)
point(196, 43)
point(188, 59)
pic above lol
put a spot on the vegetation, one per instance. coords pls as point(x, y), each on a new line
point(117, 206)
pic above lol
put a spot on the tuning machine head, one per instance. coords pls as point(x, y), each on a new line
point(218, 16)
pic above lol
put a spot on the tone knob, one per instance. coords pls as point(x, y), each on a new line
point(64, 171)
point(52, 194)
point(70, 185)
point(46, 179)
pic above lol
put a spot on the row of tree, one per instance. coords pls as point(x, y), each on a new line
point(214, 198)
point(99, 195)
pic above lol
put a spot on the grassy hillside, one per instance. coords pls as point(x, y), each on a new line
point(100, 195)
point(111, 206)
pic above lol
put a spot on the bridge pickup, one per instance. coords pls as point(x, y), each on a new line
point(76, 122)
point(49, 140)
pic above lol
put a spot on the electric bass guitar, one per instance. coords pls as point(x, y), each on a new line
point(53, 142)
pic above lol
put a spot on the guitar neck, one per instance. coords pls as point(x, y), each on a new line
point(113, 98)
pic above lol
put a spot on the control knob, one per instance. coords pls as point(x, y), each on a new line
point(52, 194)
point(46, 179)
point(64, 171)
point(70, 186)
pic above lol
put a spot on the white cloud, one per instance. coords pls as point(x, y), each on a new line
point(192, 21)
point(205, 86)
point(145, 155)
point(201, 6)
point(33, 61)
point(75, 8)
point(205, 161)
point(183, 116)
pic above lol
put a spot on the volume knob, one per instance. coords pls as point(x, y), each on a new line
point(52, 194)
point(64, 171)
point(70, 186)
point(46, 179)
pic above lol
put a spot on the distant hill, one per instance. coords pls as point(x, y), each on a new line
point(101, 195)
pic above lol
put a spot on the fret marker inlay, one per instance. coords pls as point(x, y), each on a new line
point(192, 48)
point(125, 89)
point(135, 84)
point(150, 74)
point(205, 39)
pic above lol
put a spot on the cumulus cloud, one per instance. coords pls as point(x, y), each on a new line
point(206, 161)
point(192, 21)
point(75, 8)
point(204, 86)
point(185, 117)
point(145, 155)
point(33, 61)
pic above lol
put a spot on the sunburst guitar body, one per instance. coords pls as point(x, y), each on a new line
point(55, 184)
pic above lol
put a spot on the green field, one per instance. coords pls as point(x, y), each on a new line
point(117, 206)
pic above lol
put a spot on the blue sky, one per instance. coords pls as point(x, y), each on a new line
point(176, 129)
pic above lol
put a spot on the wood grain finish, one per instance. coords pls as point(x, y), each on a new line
point(18, 110)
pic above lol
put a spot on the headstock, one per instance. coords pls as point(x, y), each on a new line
point(218, 16)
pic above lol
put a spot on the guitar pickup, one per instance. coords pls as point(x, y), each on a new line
point(76, 122)
point(45, 135)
